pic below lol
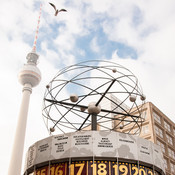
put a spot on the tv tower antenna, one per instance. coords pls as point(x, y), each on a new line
point(29, 77)
point(37, 30)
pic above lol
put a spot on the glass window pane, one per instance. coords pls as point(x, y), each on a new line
point(169, 139)
point(159, 131)
point(157, 117)
point(166, 163)
point(161, 145)
point(167, 126)
point(145, 129)
point(144, 115)
point(172, 167)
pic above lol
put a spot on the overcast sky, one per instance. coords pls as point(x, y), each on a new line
point(137, 34)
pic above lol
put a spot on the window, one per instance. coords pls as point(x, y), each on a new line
point(171, 153)
point(174, 131)
point(157, 117)
point(166, 163)
point(145, 129)
point(161, 145)
point(159, 131)
point(167, 126)
point(169, 139)
point(144, 115)
point(172, 167)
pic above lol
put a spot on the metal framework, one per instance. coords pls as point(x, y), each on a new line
point(109, 85)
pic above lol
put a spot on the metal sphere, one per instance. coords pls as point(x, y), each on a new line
point(47, 86)
point(73, 98)
point(52, 129)
point(93, 109)
point(143, 97)
point(82, 109)
point(114, 70)
point(90, 81)
point(121, 127)
point(132, 98)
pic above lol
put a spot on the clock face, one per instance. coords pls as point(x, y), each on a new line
point(93, 94)
point(96, 168)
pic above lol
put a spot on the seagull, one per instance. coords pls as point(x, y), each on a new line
point(56, 10)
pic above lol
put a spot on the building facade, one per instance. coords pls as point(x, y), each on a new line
point(159, 129)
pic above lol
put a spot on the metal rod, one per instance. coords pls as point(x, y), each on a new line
point(83, 106)
point(94, 122)
point(105, 92)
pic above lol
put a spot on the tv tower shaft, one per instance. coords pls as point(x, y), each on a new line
point(17, 152)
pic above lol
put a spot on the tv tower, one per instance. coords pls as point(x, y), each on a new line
point(29, 77)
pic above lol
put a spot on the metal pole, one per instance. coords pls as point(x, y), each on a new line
point(94, 122)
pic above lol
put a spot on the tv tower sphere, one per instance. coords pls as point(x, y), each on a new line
point(30, 74)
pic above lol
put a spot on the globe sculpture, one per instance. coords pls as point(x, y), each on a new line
point(94, 95)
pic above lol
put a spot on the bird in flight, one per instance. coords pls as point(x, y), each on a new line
point(56, 10)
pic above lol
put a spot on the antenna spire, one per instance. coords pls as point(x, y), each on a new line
point(37, 30)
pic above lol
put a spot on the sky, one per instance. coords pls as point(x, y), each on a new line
point(138, 34)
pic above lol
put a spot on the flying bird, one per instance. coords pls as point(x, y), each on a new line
point(56, 10)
